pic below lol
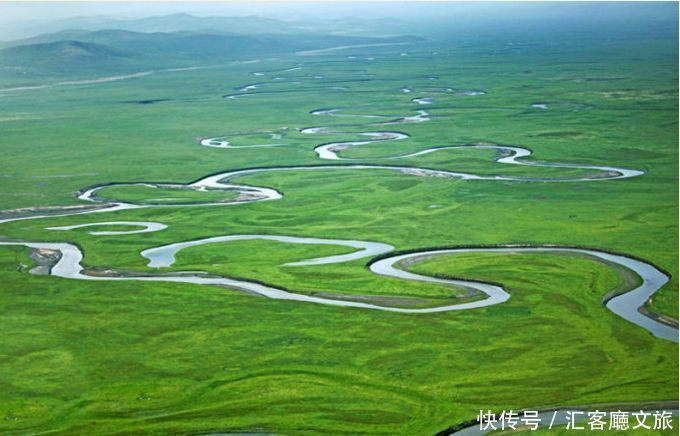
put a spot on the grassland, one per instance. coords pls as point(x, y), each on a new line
point(149, 194)
point(121, 358)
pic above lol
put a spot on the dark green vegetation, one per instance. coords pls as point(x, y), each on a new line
point(127, 357)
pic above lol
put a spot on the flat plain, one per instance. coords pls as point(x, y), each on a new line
point(123, 357)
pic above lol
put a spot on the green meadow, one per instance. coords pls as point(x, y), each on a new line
point(140, 194)
point(125, 357)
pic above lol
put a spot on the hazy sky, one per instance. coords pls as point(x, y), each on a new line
point(19, 16)
point(14, 11)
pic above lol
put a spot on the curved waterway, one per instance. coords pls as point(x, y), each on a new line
point(625, 305)
point(164, 256)
point(148, 227)
point(68, 266)
point(221, 142)
point(509, 154)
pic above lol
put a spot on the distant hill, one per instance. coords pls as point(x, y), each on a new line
point(118, 49)
point(186, 22)
point(62, 55)
point(244, 25)
point(223, 44)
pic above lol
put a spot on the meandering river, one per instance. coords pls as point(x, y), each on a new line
point(69, 264)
